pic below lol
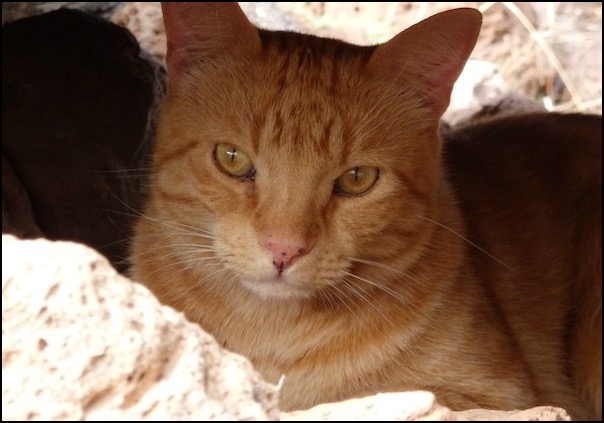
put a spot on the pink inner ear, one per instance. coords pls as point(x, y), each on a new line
point(194, 30)
point(434, 51)
point(177, 31)
point(445, 72)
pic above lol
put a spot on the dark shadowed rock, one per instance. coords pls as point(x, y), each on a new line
point(79, 98)
point(17, 216)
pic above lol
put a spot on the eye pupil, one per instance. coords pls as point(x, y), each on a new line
point(232, 154)
point(357, 180)
point(234, 162)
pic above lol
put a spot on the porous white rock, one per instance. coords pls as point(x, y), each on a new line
point(81, 342)
point(397, 406)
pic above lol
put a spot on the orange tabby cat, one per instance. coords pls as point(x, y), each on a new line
point(304, 210)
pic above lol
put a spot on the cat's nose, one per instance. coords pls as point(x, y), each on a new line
point(284, 253)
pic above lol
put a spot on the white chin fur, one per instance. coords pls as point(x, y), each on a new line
point(276, 289)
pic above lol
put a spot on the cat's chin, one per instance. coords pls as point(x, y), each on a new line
point(277, 288)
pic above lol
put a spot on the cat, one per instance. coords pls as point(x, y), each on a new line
point(304, 210)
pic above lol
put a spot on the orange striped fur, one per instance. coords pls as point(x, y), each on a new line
point(471, 268)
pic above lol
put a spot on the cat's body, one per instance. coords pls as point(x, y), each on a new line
point(303, 211)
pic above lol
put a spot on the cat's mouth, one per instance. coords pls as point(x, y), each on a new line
point(278, 287)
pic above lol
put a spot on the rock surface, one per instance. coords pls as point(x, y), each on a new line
point(78, 107)
point(13, 10)
point(532, 414)
point(400, 406)
point(144, 20)
point(80, 342)
point(415, 406)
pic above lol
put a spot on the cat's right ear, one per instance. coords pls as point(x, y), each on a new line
point(433, 52)
point(204, 30)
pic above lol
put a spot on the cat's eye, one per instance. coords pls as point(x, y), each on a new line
point(357, 180)
point(234, 162)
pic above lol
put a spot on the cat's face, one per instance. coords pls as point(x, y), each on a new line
point(284, 161)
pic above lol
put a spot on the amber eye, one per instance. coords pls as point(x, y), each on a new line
point(233, 161)
point(357, 180)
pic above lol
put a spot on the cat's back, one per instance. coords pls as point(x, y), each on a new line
point(532, 180)
point(559, 151)
point(530, 188)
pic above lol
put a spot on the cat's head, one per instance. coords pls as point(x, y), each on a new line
point(295, 158)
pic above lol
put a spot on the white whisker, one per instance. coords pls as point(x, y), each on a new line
point(344, 299)
point(377, 264)
point(362, 296)
point(196, 248)
point(381, 287)
point(470, 242)
point(200, 235)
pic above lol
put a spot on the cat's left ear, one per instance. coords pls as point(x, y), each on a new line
point(432, 52)
point(203, 30)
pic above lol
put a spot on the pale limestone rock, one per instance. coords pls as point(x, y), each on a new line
point(400, 406)
point(144, 20)
point(532, 414)
point(415, 406)
point(80, 341)
point(479, 84)
point(14, 10)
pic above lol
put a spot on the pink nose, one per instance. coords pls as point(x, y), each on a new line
point(283, 253)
